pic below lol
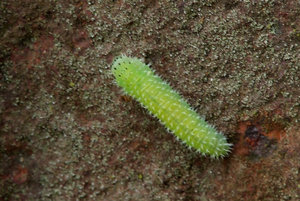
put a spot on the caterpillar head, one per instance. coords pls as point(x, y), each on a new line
point(126, 69)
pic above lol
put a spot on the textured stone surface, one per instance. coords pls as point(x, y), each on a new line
point(67, 132)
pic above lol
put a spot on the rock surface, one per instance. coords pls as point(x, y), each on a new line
point(68, 133)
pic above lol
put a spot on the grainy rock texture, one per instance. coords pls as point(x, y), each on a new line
point(68, 133)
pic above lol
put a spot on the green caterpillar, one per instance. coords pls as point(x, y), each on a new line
point(140, 82)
